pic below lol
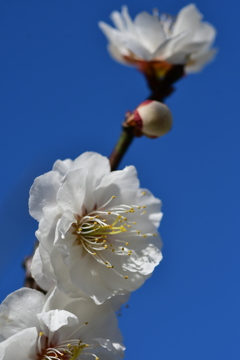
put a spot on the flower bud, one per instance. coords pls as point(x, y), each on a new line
point(152, 118)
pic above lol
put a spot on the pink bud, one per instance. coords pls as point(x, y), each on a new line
point(153, 118)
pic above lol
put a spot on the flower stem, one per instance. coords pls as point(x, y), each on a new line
point(161, 88)
point(121, 146)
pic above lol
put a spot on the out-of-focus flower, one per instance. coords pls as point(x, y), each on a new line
point(151, 118)
point(97, 229)
point(33, 328)
point(161, 41)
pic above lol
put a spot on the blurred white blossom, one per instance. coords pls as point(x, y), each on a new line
point(161, 39)
point(38, 327)
point(97, 229)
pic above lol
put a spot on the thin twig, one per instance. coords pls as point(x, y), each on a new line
point(161, 88)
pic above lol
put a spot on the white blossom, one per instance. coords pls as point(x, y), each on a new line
point(161, 39)
point(97, 229)
point(38, 327)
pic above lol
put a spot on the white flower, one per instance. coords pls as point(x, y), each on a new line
point(97, 229)
point(33, 328)
point(161, 40)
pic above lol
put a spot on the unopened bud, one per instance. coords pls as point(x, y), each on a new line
point(152, 118)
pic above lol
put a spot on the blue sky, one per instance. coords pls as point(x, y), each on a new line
point(61, 95)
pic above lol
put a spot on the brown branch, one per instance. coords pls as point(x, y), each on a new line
point(161, 88)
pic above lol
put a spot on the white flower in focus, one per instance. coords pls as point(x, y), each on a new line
point(161, 39)
point(97, 229)
point(32, 328)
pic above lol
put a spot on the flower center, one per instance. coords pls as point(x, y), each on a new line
point(66, 350)
point(99, 230)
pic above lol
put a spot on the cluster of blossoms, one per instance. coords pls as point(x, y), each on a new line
point(98, 241)
point(98, 237)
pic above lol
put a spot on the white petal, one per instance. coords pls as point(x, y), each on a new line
point(149, 30)
point(145, 263)
point(86, 275)
point(71, 194)
point(47, 226)
point(44, 281)
point(118, 300)
point(125, 41)
point(134, 44)
point(125, 181)
point(18, 311)
point(97, 164)
point(21, 345)
point(53, 320)
point(109, 32)
point(200, 60)
point(188, 18)
point(127, 19)
point(118, 20)
point(65, 222)
point(117, 54)
point(106, 343)
point(62, 167)
point(205, 33)
point(43, 193)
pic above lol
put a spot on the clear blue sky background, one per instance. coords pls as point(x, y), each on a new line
point(61, 94)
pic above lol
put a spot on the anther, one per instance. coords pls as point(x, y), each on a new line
point(143, 193)
point(127, 244)
point(86, 323)
point(125, 277)
point(113, 197)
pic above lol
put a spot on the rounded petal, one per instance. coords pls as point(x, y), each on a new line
point(24, 342)
point(62, 167)
point(44, 281)
point(150, 31)
point(19, 310)
point(71, 194)
point(125, 180)
point(200, 60)
point(43, 193)
point(54, 320)
point(188, 18)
